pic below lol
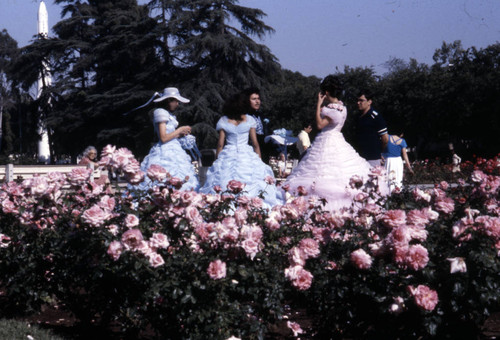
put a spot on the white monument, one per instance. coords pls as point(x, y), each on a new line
point(43, 79)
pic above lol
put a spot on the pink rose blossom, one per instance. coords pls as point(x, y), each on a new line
point(132, 238)
point(235, 186)
point(157, 173)
point(251, 247)
point(131, 221)
point(159, 240)
point(269, 180)
point(295, 327)
point(309, 247)
point(331, 265)
point(296, 256)
point(175, 182)
point(217, 270)
point(4, 241)
point(444, 185)
point(361, 259)
point(79, 176)
point(421, 195)
point(95, 216)
point(240, 215)
point(394, 218)
point(107, 203)
point(300, 277)
point(108, 150)
point(445, 205)
point(398, 306)
point(431, 214)
point(115, 249)
point(478, 176)
point(113, 229)
point(457, 265)
point(417, 257)
point(38, 185)
point(256, 202)
point(301, 190)
point(155, 259)
point(417, 217)
point(356, 182)
point(425, 297)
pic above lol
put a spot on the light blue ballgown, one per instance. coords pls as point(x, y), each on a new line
point(239, 161)
point(169, 155)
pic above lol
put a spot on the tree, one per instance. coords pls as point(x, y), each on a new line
point(213, 47)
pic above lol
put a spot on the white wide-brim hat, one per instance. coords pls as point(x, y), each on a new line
point(171, 92)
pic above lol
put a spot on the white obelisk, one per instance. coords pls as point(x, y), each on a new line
point(44, 78)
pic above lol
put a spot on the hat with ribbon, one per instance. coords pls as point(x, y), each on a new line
point(171, 92)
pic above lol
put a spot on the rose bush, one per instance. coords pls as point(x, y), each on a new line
point(188, 265)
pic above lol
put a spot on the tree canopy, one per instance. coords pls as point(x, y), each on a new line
point(108, 56)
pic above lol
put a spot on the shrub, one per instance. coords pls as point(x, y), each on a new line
point(189, 265)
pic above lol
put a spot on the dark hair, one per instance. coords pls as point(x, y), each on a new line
point(306, 124)
point(367, 93)
point(235, 106)
point(247, 93)
point(333, 85)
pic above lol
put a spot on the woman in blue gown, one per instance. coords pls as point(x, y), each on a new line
point(236, 160)
point(168, 152)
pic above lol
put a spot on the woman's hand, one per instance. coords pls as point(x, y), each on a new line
point(184, 130)
point(321, 98)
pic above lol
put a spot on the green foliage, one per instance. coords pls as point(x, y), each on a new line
point(11, 329)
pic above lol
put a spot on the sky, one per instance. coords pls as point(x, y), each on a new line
point(318, 37)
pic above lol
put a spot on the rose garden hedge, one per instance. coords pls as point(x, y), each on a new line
point(420, 263)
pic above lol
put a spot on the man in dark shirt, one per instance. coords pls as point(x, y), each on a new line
point(371, 130)
point(254, 102)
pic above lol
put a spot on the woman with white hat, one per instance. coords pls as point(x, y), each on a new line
point(168, 152)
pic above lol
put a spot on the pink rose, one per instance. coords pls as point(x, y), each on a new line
point(159, 240)
point(131, 221)
point(4, 241)
point(295, 327)
point(79, 176)
point(417, 217)
point(256, 202)
point(457, 265)
point(309, 247)
point(243, 201)
point(269, 180)
point(176, 182)
point(394, 218)
point(157, 173)
point(240, 215)
point(301, 190)
point(217, 270)
point(251, 247)
point(155, 259)
point(417, 257)
point(296, 256)
point(115, 249)
point(303, 278)
point(478, 176)
point(132, 238)
point(108, 150)
point(361, 259)
point(107, 203)
point(95, 216)
point(421, 195)
point(445, 205)
point(39, 185)
point(235, 186)
point(425, 297)
point(356, 182)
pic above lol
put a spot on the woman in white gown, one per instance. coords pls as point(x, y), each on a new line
point(326, 169)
